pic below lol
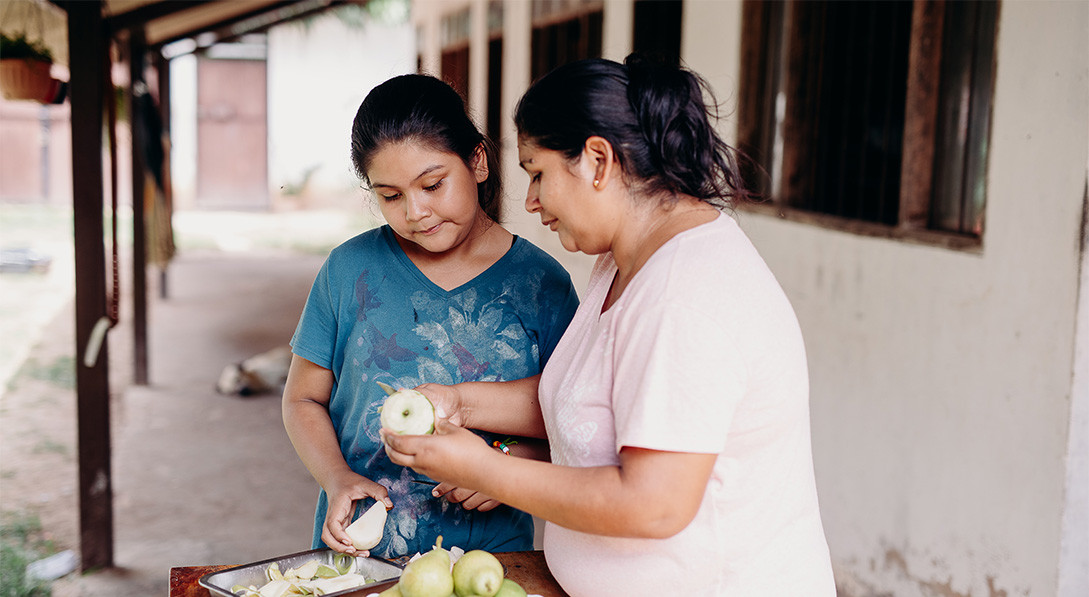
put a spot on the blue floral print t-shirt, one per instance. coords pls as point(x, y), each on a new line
point(373, 316)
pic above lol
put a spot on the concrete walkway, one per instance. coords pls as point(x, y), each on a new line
point(198, 477)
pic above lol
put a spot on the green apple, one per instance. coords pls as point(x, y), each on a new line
point(408, 412)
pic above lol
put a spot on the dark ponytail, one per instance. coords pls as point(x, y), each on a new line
point(653, 114)
point(423, 109)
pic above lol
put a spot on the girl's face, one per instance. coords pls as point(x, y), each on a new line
point(428, 196)
point(562, 192)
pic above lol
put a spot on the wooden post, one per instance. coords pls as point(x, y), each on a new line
point(86, 46)
point(162, 67)
point(137, 51)
point(921, 113)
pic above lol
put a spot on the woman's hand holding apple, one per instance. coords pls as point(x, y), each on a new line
point(450, 455)
point(447, 400)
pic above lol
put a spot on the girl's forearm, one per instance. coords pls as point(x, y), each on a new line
point(510, 407)
point(311, 433)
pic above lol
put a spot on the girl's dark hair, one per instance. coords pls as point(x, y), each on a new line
point(654, 115)
point(423, 109)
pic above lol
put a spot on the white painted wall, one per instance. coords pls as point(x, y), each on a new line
point(941, 379)
point(1074, 548)
point(183, 130)
point(318, 74)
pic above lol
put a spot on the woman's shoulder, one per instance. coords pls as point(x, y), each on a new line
point(714, 263)
point(526, 254)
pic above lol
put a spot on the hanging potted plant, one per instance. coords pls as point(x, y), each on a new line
point(24, 70)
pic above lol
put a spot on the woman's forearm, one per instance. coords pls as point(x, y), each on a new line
point(655, 498)
point(648, 493)
point(509, 407)
point(531, 448)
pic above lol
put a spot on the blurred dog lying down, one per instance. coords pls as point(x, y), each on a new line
point(260, 374)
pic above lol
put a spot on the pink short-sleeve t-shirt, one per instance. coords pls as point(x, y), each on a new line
point(702, 353)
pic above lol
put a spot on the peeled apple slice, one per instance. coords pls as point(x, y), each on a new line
point(367, 530)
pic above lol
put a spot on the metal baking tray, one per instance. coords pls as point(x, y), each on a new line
point(220, 583)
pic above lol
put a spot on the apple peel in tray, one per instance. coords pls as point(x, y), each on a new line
point(408, 412)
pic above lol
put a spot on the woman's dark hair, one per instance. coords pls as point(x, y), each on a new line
point(653, 114)
point(423, 109)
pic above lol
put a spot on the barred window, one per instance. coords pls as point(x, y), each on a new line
point(564, 31)
point(871, 116)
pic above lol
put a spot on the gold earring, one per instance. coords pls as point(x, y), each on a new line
point(596, 182)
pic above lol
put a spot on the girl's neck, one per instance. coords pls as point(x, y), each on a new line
point(484, 246)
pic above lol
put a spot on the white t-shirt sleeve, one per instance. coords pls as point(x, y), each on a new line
point(678, 380)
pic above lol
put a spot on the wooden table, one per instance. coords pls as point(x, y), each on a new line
point(526, 568)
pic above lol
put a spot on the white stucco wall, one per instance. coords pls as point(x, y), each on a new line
point(941, 380)
point(318, 74)
point(1074, 548)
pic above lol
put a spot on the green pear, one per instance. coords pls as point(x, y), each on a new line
point(477, 573)
point(509, 588)
point(394, 591)
point(429, 575)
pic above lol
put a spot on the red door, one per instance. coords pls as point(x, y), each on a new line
point(232, 147)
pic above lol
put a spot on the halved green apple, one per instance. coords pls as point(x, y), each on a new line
point(408, 412)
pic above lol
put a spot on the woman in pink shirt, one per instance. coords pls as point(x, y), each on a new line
point(677, 402)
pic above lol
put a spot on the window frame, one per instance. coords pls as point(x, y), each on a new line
point(555, 15)
point(763, 72)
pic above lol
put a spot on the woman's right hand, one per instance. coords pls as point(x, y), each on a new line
point(343, 492)
point(447, 401)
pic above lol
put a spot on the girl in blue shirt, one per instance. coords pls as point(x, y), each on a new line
point(440, 294)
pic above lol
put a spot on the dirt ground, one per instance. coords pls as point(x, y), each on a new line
point(197, 477)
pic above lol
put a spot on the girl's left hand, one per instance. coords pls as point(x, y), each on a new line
point(469, 499)
point(449, 455)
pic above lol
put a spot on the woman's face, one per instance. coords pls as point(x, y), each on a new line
point(427, 196)
point(561, 191)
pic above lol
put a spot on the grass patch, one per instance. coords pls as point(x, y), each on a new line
point(22, 542)
point(48, 446)
point(61, 372)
